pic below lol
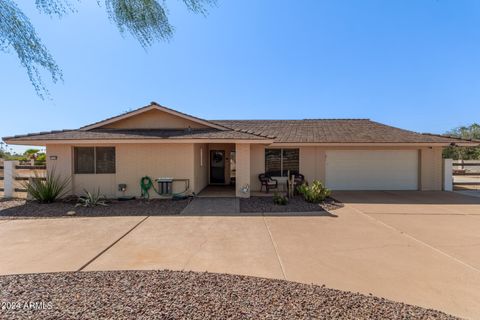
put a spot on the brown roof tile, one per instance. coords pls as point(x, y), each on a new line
point(114, 134)
point(332, 131)
point(336, 131)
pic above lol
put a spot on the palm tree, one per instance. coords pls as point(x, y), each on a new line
point(146, 20)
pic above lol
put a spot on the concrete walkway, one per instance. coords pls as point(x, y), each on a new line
point(418, 248)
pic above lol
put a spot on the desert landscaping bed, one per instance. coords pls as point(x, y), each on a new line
point(295, 204)
point(187, 295)
point(11, 209)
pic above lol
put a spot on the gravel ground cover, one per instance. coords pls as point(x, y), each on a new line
point(187, 295)
point(295, 204)
point(12, 209)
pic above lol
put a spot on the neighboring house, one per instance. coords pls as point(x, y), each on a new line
point(155, 141)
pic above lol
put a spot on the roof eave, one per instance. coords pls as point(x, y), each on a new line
point(377, 144)
point(44, 142)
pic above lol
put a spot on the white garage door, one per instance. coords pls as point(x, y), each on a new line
point(372, 170)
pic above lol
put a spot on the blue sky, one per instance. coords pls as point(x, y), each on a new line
point(408, 63)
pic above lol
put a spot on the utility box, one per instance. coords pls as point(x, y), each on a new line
point(165, 186)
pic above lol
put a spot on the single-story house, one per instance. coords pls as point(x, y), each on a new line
point(345, 154)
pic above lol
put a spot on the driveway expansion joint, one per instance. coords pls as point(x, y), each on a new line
point(415, 239)
point(275, 248)
point(112, 244)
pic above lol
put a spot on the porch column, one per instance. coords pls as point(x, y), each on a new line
point(8, 178)
point(448, 175)
point(242, 176)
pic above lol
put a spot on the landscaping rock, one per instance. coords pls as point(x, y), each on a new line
point(187, 295)
point(12, 209)
point(295, 204)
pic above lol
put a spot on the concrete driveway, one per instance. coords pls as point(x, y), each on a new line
point(421, 248)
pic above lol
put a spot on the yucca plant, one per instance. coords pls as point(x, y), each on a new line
point(47, 188)
point(91, 199)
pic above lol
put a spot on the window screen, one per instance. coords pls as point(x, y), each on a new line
point(105, 159)
point(273, 162)
point(279, 161)
point(84, 158)
point(290, 161)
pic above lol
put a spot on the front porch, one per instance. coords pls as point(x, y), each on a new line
point(233, 169)
point(226, 170)
point(217, 191)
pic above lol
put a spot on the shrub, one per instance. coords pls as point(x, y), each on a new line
point(47, 188)
point(41, 159)
point(302, 189)
point(315, 193)
point(279, 199)
point(91, 199)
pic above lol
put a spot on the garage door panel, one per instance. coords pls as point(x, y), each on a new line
point(372, 170)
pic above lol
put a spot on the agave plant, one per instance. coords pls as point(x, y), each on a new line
point(47, 188)
point(91, 199)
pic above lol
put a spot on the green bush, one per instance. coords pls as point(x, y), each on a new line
point(302, 189)
point(41, 158)
point(47, 188)
point(280, 199)
point(315, 193)
point(91, 199)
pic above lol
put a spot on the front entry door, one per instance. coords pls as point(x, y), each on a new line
point(217, 166)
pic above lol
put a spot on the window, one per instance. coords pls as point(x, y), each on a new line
point(290, 161)
point(84, 160)
point(94, 160)
point(279, 161)
point(273, 162)
point(105, 159)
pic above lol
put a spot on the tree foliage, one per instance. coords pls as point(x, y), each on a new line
point(464, 153)
point(17, 33)
point(146, 20)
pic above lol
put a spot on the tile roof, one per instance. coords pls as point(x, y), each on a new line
point(281, 131)
point(332, 131)
point(115, 134)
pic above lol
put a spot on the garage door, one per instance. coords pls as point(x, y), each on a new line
point(372, 170)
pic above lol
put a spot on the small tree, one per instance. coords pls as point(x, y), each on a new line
point(31, 153)
point(464, 153)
